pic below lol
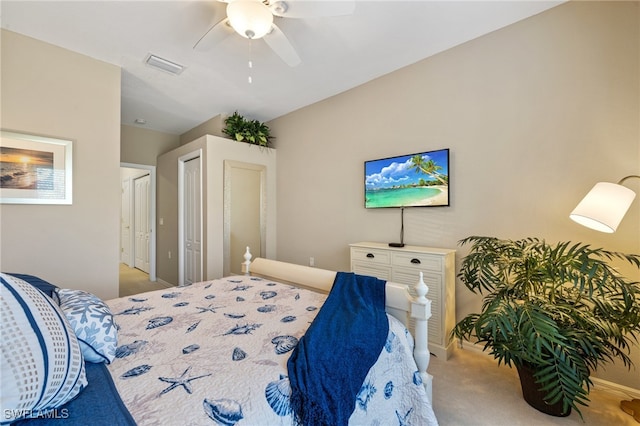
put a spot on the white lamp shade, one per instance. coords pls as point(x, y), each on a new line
point(603, 207)
point(250, 18)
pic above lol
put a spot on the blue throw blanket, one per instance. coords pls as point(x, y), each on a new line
point(331, 361)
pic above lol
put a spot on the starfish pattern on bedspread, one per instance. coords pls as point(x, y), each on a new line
point(183, 381)
point(241, 288)
point(209, 308)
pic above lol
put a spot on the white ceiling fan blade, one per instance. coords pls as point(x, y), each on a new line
point(312, 9)
point(281, 45)
point(214, 35)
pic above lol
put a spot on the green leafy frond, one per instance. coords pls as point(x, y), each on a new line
point(565, 377)
point(244, 130)
point(561, 308)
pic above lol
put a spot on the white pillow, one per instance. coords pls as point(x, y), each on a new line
point(41, 362)
point(92, 321)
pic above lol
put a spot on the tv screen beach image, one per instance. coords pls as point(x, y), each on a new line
point(415, 180)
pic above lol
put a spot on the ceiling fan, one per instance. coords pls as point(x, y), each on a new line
point(253, 19)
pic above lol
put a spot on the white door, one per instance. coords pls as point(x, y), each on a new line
point(142, 225)
point(125, 223)
point(192, 241)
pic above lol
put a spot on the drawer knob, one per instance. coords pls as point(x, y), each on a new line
point(370, 255)
point(415, 261)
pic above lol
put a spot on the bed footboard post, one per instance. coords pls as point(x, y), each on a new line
point(247, 262)
point(421, 312)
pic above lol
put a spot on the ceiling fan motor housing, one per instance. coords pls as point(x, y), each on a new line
point(250, 18)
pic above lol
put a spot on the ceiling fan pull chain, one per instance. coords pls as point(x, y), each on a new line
point(250, 63)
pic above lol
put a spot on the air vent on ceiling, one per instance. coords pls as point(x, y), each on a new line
point(164, 64)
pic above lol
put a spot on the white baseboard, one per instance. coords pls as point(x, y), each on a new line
point(612, 388)
point(616, 389)
point(164, 283)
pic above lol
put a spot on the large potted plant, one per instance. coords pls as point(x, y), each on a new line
point(555, 312)
point(244, 130)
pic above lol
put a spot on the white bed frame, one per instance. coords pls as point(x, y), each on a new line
point(399, 302)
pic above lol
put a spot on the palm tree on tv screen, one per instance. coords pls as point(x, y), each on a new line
point(428, 167)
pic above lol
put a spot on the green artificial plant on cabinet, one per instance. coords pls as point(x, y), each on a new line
point(245, 130)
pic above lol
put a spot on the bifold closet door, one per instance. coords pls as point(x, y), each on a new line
point(192, 194)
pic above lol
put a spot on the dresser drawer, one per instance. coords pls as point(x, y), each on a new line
point(373, 270)
point(379, 257)
point(421, 261)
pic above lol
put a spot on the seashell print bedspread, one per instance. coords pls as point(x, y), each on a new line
point(216, 353)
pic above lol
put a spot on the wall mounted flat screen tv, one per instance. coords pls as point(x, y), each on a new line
point(414, 180)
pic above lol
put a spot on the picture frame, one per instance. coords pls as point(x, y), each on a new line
point(35, 169)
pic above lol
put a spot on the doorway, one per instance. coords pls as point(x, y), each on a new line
point(138, 217)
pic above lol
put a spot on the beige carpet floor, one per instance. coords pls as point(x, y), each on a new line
point(471, 389)
point(134, 281)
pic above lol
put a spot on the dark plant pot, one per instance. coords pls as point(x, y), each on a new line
point(534, 396)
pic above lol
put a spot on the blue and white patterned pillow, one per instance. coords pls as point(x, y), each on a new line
point(41, 362)
point(92, 321)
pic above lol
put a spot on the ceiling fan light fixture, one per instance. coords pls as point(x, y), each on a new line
point(250, 18)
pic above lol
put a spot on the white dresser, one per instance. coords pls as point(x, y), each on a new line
point(402, 265)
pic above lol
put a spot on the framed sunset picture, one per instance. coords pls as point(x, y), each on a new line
point(35, 169)
point(413, 180)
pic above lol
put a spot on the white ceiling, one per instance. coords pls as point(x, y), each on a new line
point(337, 53)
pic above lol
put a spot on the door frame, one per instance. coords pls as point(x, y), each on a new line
point(229, 165)
point(152, 215)
point(181, 222)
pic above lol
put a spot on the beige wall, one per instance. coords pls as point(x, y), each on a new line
point(215, 150)
point(534, 115)
point(213, 126)
point(53, 92)
point(143, 146)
